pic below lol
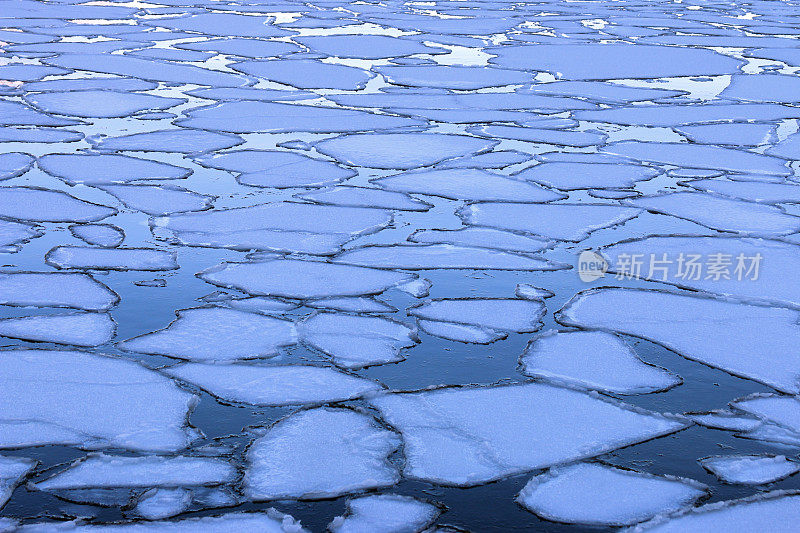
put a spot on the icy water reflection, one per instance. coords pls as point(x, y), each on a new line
point(306, 266)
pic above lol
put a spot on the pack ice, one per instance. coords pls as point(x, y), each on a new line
point(385, 513)
point(79, 329)
point(750, 469)
point(87, 257)
point(45, 205)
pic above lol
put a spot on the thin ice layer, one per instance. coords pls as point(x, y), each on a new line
point(215, 334)
point(12, 471)
point(572, 176)
point(99, 104)
point(481, 238)
point(273, 385)
point(93, 258)
point(460, 332)
point(14, 164)
point(174, 140)
point(158, 200)
point(385, 513)
point(752, 342)
point(750, 469)
point(45, 205)
point(579, 494)
point(156, 504)
point(354, 341)
point(505, 314)
point(93, 169)
point(286, 463)
point(78, 329)
point(105, 235)
point(55, 289)
point(594, 360)
point(307, 73)
point(140, 409)
point(366, 197)
point(468, 436)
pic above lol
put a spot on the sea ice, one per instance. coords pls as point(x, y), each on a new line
point(520, 316)
point(752, 191)
point(175, 140)
point(88, 257)
point(452, 77)
point(99, 104)
point(79, 329)
point(215, 334)
point(365, 46)
point(468, 436)
point(744, 134)
point(573, 176)
point(307, 73)
point(580, 139)
point(12, 471)
point(19, 114)
point(750, 469)
point(156, 504)
point(223, 24)
point(14, 164)
point(14, 234)
point(367, 197)
point(481, 238)
point(39, 135)
point(579, 494)
point(235, 46)
point(273, 385)
point(726, 420)
point(461, 332)
point(286, 463)
point(499, 159)
point(105, 235)
point(55, 289)
point(593, 360)
point(600, 91)
point(385, 513)
point(45, 205)
point(93, 169)
point(352, 304)
point(159, 200)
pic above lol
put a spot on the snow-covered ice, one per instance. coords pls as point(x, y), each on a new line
point(79, 329)
point(12, 471)
point(750, 469)
point(385, 513)
point(55, 289)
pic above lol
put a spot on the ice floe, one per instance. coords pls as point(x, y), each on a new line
point(385, 513)
point(366, 197)
point(99, 104)
point(451, 77)
point(55, 289)
point(579, 139)
point(594, 360)
point(481, 238)
point(159, 200)
point(79, 329)
point(14, 164)
point(753, 191)
point(306, 73)
point(572, 176)
point(365, 46)
point(87, 257)
point(156, 504)
point(750, 469)
point(352, 304)
point(93, 169)
point(216, 334)
point(176, 140)
point(273, 385)
point(12, 471)
point(105, 235)
point(467, 436)
point(578, 494)
point(507, 315)
point(45, 205)
point(286, 463)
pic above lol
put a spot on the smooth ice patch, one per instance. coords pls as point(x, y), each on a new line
point(481, 238)
point(354, 341)
point(365, 46)
point(460, 332)
point(401, 150)
point(45, 205)
point(752, 342)
point(730, 134)
point(752, 191)
point(366, 197)
point(14, 234)
point(468, 436)
point(352, 304)
point(105, 235)
point(579, 139)
point(573, 176)
point(99, 104)
point(93, 169)
point(579, 494)
point(510, 315)
point(159, 200)
point(593, 360)
point(307, 74)
point(235, 46)
point(87, 257)
point(286, 463)
point(174, 140)
point(567, 222)
point(14, 164)
point(385, 513)
point(215, 334)
point(55, 289)
point(78, 329)
point(750, 469)
point(273, 385)
point(140, 409)
point(451, 77)
point(156, 504)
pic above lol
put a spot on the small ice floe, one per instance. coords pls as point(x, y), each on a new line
point(366, 197)
point(94, 169)
point(12, 471)
point(573, 176)
point(55, 289)
point(105, 235)
point(99, 104)
point(44, 205)
point(385, 513)
point(14, 164)
point(78, 329)
point(482, 238)
point(750, 469)
point(531, 292)
point(174, 140)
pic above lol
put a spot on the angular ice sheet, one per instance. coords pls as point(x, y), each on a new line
point(385, 513)
point(520, 316)
point(580, 139)
point(215, 334)
point(366, 197)
point(593, 360)
point(156, 504)
point(573, 176)
point(87, 257)
point(452, 77)
point(12, 471)
point(365, 46)
point(307, 73)
point(750, 469)
point(744, 134)
point(78, 329)
point(45, 205)
point(461, 332)
point(55, 289)
point(753, 191)
point(579, 494)
point(273, 385)
point(352, 304)
point(286, 463)
point(467, 436)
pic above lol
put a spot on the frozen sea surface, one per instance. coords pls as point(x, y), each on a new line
point(402, 266)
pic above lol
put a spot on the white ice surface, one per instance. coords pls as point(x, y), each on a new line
point(156, 504)
point(55, 289)
point(750, 469)
point(79, 329)
point(385, 513)
point(12, 471)
point(92, 258)
point(521, 316)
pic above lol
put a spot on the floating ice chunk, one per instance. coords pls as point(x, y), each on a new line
point(385, 513)
point(726, 420)
point(159, 200)
point(367, 197)
point(750, 469)
point(215, 334)
point(55, 289)
point(12, 471)
point(401, 150)
point(520, 316)
point(580, 157)
point(467, 184)
point(269, 117)
point(452, 77)
point(355, 341)
point(418, 288)
point(744, 134)
point(461, 332)
point(270, 521)
point(481, 238)
point(140, 409)
point(99, 104)
point(699, 156)
point(45, 205)
point(273, 385)
point(365, 46)
point(773, 434)
point(435, 256)
point(752, 342)
point(107, 168)
point(79, 329)
point(14, 164)
point(83, 84)
point(98, 470)
point(763, 88)
point(18, 114)
point(286, 462)
point(148, 69)
point(790, 56)
point(765, 193)
point(573, 176)
point(776, 511)
point(500, 159)
point(223, 24)
point(614, 61)
point(13, 234)
point(106, 235)
point(578, 494)
point(156, 504)
point(234, 46)
point(529, 292)
point(675, 115)
point(544, 136)
point(473, 435)
point(460, 102)
point(259, 304)
point(460, 116)
point(280, 241)
point(269, 168)
point(175, 140)
point(359, 304)
point(593, 360)
point(22, 72)
point(39, 135)
point(291, 278)
point(568, 222)
point(722, 214)
point(600, 91)
point(170, 54)
point(747, 277)
point(111, 258)
point(781, 410)
point(307, 73)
